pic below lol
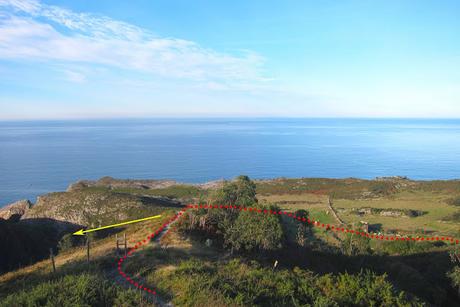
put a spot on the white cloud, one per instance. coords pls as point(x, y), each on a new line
point(74, 76)
point(31, 30)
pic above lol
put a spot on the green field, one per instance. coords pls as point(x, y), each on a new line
point(434, 198)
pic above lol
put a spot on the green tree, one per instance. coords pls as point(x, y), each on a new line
point(255, 231)
point(239, 192)
point(240, 230)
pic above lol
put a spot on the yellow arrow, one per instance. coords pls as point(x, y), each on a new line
point(82, 232)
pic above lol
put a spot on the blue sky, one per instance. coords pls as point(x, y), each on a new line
point(92, 59)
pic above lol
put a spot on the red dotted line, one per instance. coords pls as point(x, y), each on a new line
point(139, 244)
point(264, 211)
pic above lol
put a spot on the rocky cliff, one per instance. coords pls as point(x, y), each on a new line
point(15, 210)
point(95, 208)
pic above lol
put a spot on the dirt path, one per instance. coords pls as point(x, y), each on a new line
point(147, 297)
point(329, 204)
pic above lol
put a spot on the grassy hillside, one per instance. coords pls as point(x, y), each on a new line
point(315, 266)
point(24, 243)
point(77, 283)
point(56, 214)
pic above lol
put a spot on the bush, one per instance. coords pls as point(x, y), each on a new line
point(255, 231)
point(454, 201)
point(69, 241)
point(238, 283)
point(356, 245)
point(74, 290)
point(245, 230)
point(454, 217)
point(382, 188)
point(454, 275)
point(414, 213)
point(405, 247)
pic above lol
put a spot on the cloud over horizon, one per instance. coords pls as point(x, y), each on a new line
point(75, 59)
point(34, 31)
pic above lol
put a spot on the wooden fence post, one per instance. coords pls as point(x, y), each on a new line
point(118, 247)
point(52, 260)
point(351, 238)
point(87, 250)
point(126, 245)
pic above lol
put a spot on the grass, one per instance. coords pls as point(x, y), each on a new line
point(454, 201)
point(169, 269)
point(181, 280)
point(76, 283)
point(454, 217)
point(84, 289)
point(236, 283)
point(343, 188)
point(433, 204)
point(99, 249)
point(435, 199)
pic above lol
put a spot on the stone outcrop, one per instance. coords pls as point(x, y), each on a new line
point(112, 183)
point(15, 210)
point(393, 213)
point(386, 212)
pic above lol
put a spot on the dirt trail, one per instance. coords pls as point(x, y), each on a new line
point(150, 298)
point(329, 204)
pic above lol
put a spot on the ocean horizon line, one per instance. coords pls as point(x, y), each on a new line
point(70, 119)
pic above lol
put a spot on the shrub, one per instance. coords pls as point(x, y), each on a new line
point(414, 213)
point(454, 217)
point(69, 240)
point(356, 245)
point(245, 230)
point(454, 201)
point(405, 247)
point(74, 290)
point(382, 188)
point(454, 275)
point(254, 231)
point(238, 283)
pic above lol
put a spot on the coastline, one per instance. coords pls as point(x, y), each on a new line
point(130, 183)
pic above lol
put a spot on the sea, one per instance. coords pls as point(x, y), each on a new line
point(38, 157)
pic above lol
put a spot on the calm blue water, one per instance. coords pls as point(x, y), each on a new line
point(43, 156)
